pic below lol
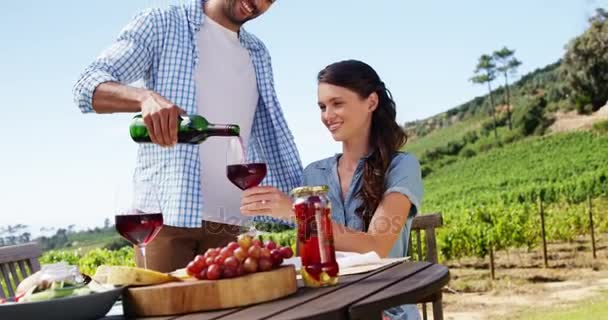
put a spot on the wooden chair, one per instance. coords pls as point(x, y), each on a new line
point(17, 263)
point(427, 223)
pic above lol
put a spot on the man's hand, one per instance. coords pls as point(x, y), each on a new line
point(160, 116)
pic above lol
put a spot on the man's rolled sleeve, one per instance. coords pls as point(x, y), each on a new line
point(86, 85)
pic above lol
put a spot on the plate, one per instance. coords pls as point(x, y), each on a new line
point(91, 306)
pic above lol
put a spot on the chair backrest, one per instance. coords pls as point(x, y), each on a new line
point(17, 263)
point(427, 223)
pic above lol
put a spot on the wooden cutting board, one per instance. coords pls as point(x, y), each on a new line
point(201, 295)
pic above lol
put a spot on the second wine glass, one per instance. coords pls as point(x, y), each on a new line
point(140, 220)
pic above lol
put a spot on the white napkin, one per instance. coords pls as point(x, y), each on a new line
point(345, 259)
point(352, 259)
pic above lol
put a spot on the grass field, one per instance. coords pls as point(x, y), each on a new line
point(88, 241)
point(595, 308)
point(441, 137)
point(575, 286)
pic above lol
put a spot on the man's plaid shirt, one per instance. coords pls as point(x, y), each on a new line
point(159, 46)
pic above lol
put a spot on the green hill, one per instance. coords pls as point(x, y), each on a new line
point(576, 82)
point(438, 138)
point(492, 198)
point(84, 240)
point(565, 167)
point(489, 180)
point(468, 129)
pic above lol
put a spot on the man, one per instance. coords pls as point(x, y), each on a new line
point(194, 58)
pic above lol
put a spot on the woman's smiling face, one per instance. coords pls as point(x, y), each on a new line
point(344, 112)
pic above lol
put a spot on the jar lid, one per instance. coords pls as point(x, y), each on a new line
point(308, 190)
point(320, 189)
point(300, 191)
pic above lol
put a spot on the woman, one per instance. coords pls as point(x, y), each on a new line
point(375, 190)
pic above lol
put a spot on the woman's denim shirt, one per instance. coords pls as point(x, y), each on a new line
point(402, 176)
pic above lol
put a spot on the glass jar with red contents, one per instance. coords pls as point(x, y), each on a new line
point(315, 237)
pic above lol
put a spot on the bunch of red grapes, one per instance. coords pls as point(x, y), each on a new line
point(246, 255)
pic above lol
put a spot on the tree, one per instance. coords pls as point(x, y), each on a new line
point(585, 64)
point(12, 233)
point(25, 237)
point(530, 116)
point(58, 240)
point(11, 240)
point(507, 63)
point(485, 72)
point(14, 229)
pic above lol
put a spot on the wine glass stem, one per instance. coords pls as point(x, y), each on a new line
point(249, 227)
point(142, 248)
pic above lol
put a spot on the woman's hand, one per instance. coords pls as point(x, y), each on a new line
point(267, 201)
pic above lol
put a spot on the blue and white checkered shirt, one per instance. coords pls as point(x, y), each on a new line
point(159, 45)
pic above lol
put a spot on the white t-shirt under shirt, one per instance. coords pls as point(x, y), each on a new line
point(226, 92)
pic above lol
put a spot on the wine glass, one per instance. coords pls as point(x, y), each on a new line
point(140, 220)
point(242, 173)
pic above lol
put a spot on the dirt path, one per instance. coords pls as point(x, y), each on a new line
point(496, 305)
point(569, 121)
point(523, 284)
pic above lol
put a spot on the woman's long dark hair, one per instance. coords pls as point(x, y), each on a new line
point(386, 136)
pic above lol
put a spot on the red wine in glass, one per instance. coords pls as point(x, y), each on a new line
point(246, 175)
point(242, 173)
point(139, 229)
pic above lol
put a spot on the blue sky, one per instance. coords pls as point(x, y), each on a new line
point(59, 167)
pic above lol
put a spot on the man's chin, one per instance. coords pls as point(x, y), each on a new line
point(238, 22)
point(239, 19)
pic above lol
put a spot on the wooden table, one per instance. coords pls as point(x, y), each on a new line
point(361, 296)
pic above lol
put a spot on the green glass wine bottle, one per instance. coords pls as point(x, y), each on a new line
point(191, 129)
